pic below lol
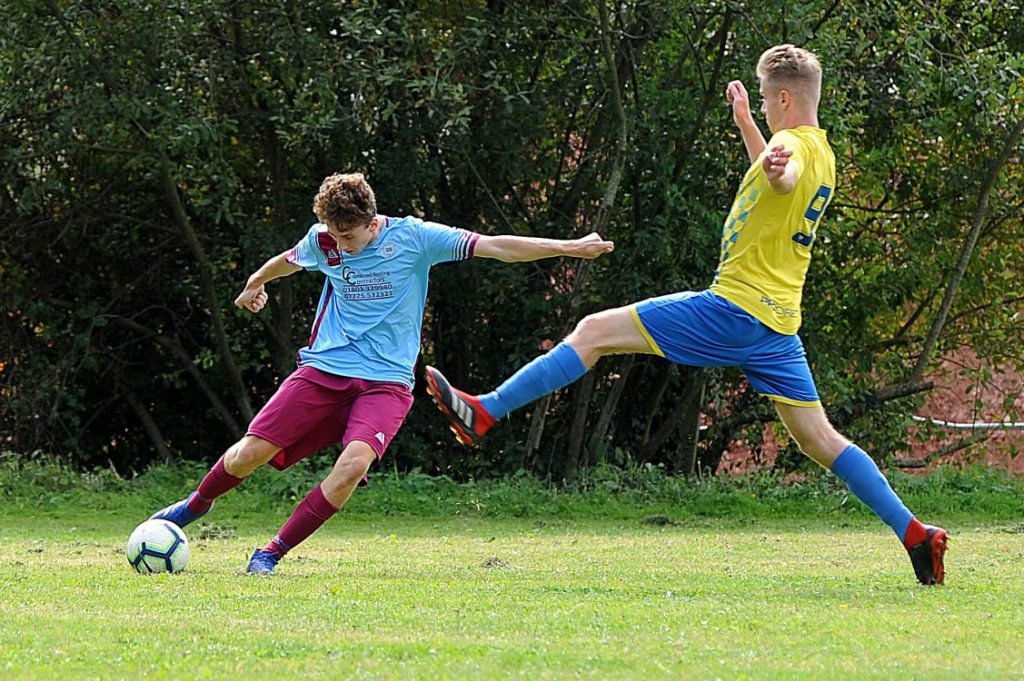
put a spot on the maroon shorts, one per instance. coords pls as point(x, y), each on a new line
point(313, 409)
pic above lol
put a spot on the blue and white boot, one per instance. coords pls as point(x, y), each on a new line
point(179, 513)
point(262, 562)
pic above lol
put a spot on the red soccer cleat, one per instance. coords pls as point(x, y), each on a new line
point(926, 556)
point(468, 418)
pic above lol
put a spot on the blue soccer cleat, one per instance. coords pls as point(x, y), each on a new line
point(262, 562)
point(179, 513)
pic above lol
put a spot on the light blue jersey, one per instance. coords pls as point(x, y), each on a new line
point(368, 321)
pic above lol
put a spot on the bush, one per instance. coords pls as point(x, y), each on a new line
point(43, 482)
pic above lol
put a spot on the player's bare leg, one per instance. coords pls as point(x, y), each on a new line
point(349, 469)
point(925, 544)
point(812, 431)
point(241, 459)
point(247, 455)
point(609, 332)
point(317, 508)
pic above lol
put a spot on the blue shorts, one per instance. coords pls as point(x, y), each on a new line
point(699, 328)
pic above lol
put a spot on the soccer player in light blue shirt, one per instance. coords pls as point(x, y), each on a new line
point(353, 384)
point(368, 321)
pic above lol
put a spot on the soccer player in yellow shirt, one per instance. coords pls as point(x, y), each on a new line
point(750, 315)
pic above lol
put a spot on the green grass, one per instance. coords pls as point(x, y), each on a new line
point(474, 598)
point(425, 578)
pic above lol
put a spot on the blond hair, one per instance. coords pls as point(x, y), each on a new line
point(792, 68)
point(345, 201)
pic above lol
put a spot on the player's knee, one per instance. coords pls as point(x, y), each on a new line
point(351, 467)
point(584, 332)
point(822, 444)
point(247, 455)
point(588, 338)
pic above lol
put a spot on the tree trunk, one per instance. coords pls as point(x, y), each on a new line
point(748, 408)
point(601, 221)
point(149, 425)
point(213, 303)
point(654, 398)
point(711, 94)
point(540, 415)
point(687, 411)
point(967, 251)
point(963, 443)
point(599, 432)
point(685, 460)
point(172, 346)
point(282, 313)
point(849, 411)
point(579, 425)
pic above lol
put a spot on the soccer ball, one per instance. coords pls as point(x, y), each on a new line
point(157, 546)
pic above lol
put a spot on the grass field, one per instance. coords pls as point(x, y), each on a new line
point(466, 598)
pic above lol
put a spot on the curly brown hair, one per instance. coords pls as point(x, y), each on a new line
point(345, 201)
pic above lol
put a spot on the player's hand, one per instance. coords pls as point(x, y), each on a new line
point(737, 96)
point(775, 162)
point(591, 246)
point(252, 298)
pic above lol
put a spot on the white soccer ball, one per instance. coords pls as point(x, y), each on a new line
point(157, 546)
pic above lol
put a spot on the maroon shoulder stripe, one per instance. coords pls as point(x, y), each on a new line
point(323, 310)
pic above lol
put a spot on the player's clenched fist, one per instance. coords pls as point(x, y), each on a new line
point(736, 95)
point(252, 299)
point(775, 162)
point(592, 246)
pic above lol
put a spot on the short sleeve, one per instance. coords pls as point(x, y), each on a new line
point(304, 253)
point(792, 143)
point(441, 243)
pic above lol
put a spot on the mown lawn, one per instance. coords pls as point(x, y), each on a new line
point(468, 598)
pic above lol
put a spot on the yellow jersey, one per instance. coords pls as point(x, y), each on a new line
point(766, 240)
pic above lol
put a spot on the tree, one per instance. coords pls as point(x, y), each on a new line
point(154, 155)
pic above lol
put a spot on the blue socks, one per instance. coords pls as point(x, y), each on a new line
point(557, 369)
point(854, 467)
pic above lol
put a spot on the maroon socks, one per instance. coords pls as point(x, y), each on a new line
point(217, 482)
point(310, 514)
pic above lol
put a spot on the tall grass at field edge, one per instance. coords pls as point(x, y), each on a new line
point(43, 483)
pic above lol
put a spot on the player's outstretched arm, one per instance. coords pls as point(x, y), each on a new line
point(753, 140)
point(523, 248)
point(254, 296)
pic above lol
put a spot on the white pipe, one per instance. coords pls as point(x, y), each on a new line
point(972, 425)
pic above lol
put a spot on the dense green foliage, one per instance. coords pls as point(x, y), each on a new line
point(152, 155)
